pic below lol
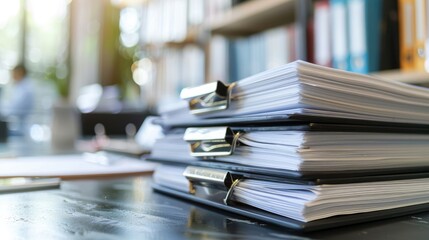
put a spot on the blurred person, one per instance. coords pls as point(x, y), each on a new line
point(19, 105)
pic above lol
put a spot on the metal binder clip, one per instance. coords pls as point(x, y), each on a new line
point(208, 97)
point(212, 179)
point(211, 141)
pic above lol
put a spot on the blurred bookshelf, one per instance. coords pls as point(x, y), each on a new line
point(191, 42)
point(255, 35)
point(190, 38)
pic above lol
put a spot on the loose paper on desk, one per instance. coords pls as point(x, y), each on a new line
point(72, 166)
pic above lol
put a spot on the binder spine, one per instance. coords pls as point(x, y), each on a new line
point(420, 34)
point(364, 33)
point(358, 35)
point(374, 21)
point(322, 36)
point(340, 48)
point(406, 30)
point(427, 36)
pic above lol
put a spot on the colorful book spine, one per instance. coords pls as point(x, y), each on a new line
point(420, 34)
point(340, 46)
point(406, 32)
point(364, 29)
point(427, 36)
point(322, 36)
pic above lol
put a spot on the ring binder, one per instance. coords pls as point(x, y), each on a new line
point(208, 97)
point(211, 141)
point(213, 179)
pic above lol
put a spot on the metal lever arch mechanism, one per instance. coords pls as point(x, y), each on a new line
point(208, 98)
point(221, 180)
point(211, 141)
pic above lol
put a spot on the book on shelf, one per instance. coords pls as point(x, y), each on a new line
point(322, 36)
point(241, 57)
point(340, 42)
point(413, 29)
point(363, 36)
point(389, 43)
point(421, 34)
point(364, 19)
point(406, 28)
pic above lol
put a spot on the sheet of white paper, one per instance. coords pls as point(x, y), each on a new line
point(66, 166)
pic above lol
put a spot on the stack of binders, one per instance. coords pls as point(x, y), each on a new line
point(301, 146)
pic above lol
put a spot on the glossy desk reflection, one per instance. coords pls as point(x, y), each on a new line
point(129, 209)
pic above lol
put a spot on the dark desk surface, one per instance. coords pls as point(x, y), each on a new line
point(128, 209)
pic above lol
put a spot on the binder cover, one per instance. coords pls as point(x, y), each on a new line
point(292, 119)
point(206, 160)
point(267, 217)
point(326, 177)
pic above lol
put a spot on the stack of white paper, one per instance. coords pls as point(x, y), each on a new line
point(313, 151)
point(308, 203)
point(308, 89)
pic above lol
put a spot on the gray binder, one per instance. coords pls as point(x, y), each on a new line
point(214, 187)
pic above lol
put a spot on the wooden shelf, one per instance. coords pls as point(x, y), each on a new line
point(192, 37)
point(254, 16)
point(404, 76)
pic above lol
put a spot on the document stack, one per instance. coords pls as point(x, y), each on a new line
point(301, 146)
